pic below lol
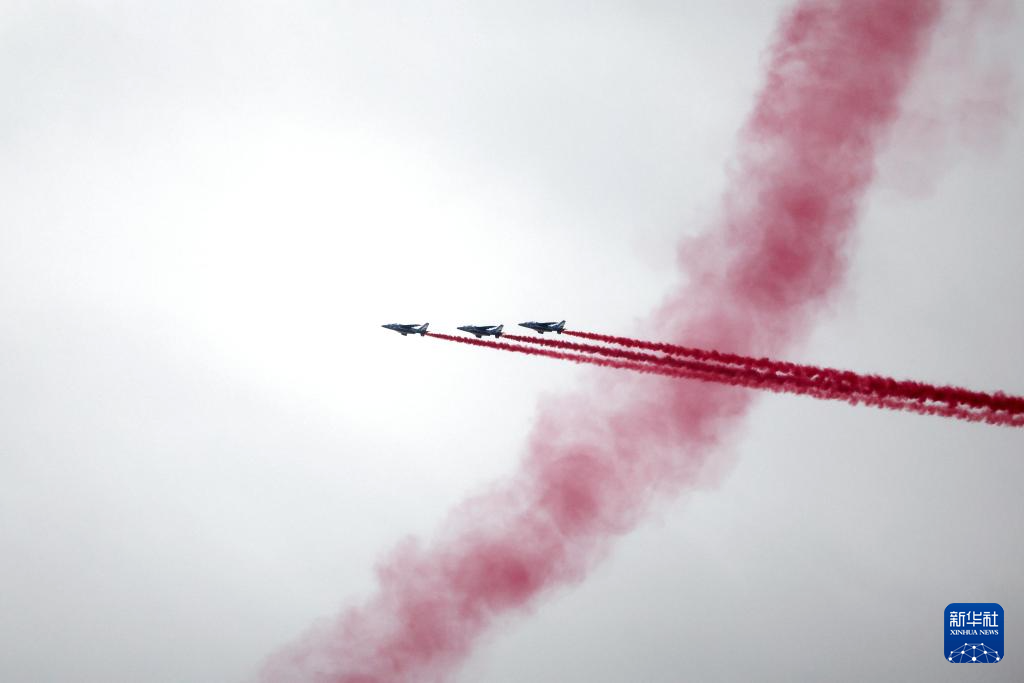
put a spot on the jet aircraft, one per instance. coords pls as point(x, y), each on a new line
point(408, 329)
point(544, 327)
point(483, 330)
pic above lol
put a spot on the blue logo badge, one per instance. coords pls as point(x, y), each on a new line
point(974, 633)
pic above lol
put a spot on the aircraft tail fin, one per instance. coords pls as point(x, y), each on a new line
point(423, 329)
point(561, 326)
point(500, 327)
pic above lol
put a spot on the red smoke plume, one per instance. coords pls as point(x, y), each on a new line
point(822, 384)
point(595, 460)
point(867, 384)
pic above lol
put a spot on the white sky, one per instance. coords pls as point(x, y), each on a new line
point(207, 441)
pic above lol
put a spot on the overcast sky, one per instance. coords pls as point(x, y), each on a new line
point(207, 441)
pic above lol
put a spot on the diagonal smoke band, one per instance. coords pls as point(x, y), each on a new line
point(593, 463)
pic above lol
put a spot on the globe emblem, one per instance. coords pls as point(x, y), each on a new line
point(976, 653)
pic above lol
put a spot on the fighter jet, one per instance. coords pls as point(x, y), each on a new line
point(483, 330)
point(544, 327)
point(412, 328)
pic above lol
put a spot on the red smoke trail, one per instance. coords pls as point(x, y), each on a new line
point(652, 365)
point(634, 363)
point(690, 352)
point(868, 384)
point(958, 412)
point(819, 387)
point(596, 459)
